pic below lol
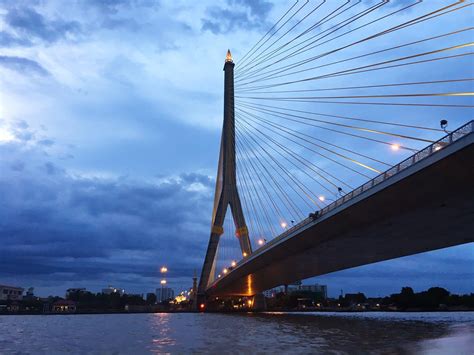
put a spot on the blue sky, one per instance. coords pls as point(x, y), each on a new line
point(110, 118)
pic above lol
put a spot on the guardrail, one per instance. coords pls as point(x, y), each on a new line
point(450, 138)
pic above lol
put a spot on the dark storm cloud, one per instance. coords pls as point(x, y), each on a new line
point(28, 25)
point(23, 65)
point(244, 14)
point(53, 222)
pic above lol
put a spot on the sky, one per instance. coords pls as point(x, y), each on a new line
point(110, 122)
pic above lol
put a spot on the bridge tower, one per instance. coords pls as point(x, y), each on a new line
point(226, 186)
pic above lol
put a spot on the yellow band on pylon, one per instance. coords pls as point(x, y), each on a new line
point(217, 230)
point(241, 231)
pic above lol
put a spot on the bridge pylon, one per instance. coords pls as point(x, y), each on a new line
point(226, 193)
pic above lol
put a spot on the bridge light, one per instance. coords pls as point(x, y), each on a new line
point(283, 224)
point(163, 282)
point(233, 263)
point(322, 198)
point(438, 147)
point(395, 147)
point(163, 269)
point(261, 241)
point(219, 275)
point(225, 271)
point(202, 306)
point(244, 254)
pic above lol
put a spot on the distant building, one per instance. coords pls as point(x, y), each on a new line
point(322, 290)
point(164, 294)
point(271, 293)
point(30, 294)
point(64, 306)
point(71, 291)
point(110, 290)
point(10, 293)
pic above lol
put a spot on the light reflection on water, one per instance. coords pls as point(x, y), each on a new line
point(336, 333)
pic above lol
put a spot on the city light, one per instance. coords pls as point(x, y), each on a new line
point(163, 282)
point(233, 263)
point(202, 305)
point(321, 198)
point(163, 269)
point(283, 224)
point(179, 299)
point(395, 147)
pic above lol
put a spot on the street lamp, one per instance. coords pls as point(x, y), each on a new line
point(324, 198)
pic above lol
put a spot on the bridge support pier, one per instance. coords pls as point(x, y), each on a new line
point(258, 303)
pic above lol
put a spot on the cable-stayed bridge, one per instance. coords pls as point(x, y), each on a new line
point(337, 95)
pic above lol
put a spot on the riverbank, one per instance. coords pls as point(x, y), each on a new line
point(289, 311)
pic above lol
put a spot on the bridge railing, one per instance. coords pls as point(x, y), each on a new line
point(450, 138)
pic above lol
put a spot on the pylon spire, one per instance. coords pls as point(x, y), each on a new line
point(226, 193)
point(228, 57)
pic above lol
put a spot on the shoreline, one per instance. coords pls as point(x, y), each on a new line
point(237, 312)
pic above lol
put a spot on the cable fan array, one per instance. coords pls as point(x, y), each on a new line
point(337, 92)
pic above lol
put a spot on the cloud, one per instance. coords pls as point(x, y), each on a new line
point(8, 40)
point(112, 7)
point(29, 25)
point(23, 65)
point(259, 8)
point(55, 223)
point(242, 14)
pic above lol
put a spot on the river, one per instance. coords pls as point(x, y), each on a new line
point(295, 333)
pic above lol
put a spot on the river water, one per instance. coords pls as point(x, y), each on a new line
point(295, 333)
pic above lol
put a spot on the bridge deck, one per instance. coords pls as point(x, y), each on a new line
point(424, 203)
